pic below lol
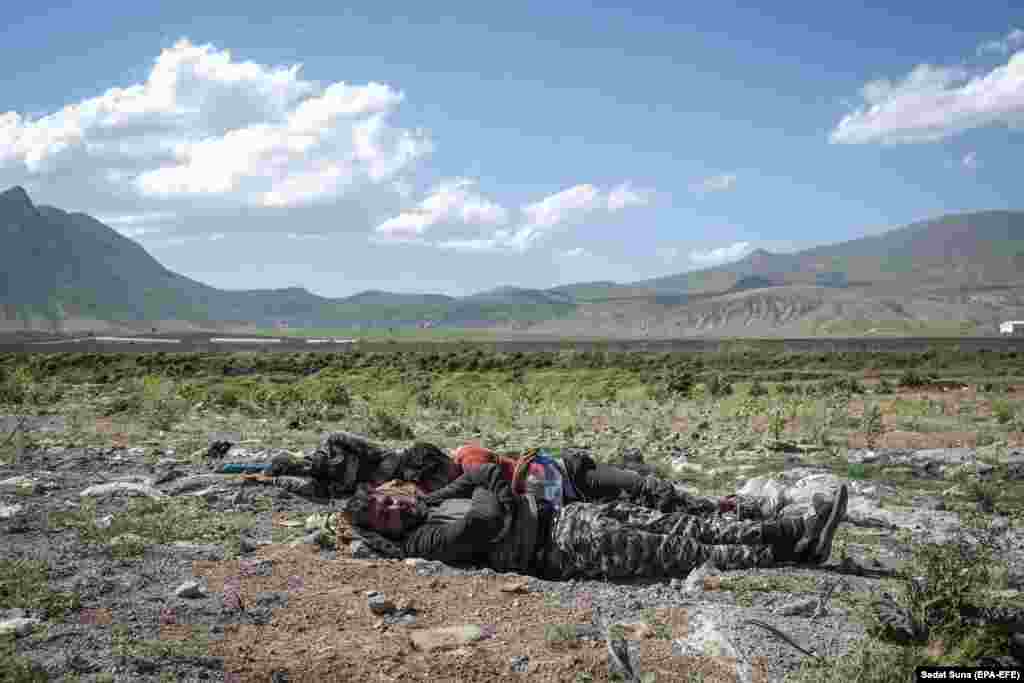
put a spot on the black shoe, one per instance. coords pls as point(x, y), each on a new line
point(820, 527)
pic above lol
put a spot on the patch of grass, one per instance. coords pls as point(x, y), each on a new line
point(870, 661)
point(18, 669)
point(24, 585)
point(744, 587)
point(196, 643)
point(156, 522)
point(386, 425)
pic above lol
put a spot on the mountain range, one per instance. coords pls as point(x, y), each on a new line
point(954, 274)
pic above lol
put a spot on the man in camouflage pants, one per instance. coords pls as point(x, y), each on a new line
point(478, 520)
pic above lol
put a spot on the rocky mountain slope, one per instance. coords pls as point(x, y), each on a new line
point(953, 275)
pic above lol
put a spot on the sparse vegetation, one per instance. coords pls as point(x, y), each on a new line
point(662, 404)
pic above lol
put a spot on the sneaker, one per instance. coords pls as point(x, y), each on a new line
point(820, 527)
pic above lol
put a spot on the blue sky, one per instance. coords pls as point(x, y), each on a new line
point(460, 148)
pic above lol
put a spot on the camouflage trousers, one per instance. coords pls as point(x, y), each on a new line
point(622, 540)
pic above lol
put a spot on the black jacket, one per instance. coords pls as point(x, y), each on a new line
point(467, 518)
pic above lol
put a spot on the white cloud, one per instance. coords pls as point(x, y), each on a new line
point(453, 201)
point(727, 254)
point(1003, 46)
point(456, 204)
point(138, 232)
point(205, 126)
point(715, 183)
point(137, 219)
point(576, 252)
point(970, 161)
point(933, 103)
point(304, 236)
point(624, 196)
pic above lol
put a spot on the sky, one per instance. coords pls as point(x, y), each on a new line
point(456, 147)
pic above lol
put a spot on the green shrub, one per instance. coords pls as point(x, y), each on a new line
point(1004, 411)
point(757, 389)
point(872, 425)
point(717, 386)
point(387, 426)
point(912, 379)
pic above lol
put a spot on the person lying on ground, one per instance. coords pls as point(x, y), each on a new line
point(344, 460)
point(479, 520)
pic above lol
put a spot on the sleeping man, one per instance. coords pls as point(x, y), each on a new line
point(477, 519)
point(345, 460)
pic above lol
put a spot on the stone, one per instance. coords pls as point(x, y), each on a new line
point(867, 457)
point(706, 638)
point(121, 488)
point(519, 664)
point(190, 590)
point(8, 511)
point(18, 626)
point(803, 606)
point(694, 582)
point(104, 522)
point(379, 604)
point(446, 637)
point(521, 586)
point(1015, 466)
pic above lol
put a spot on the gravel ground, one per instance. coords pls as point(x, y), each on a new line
point(139, 594)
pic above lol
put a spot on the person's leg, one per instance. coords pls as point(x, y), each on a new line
point(348, 459)
point(593, 543)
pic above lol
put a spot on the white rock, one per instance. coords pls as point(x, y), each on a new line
point(121, 488)
point(190, 590)
point(19, 626)
point(695, 579)
point(105, 522)
point(706, 638)
point(8, 511)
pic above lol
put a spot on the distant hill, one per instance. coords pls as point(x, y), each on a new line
point(954, 274)
point(962, 250)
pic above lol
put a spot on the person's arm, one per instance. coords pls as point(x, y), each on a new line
point(489, 477)
point(463, 539)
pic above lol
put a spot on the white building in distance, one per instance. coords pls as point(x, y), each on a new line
point(1013, 327)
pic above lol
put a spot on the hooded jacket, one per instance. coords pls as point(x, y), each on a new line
point(478, 519)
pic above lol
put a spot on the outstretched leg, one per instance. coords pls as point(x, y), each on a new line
point(590, 542)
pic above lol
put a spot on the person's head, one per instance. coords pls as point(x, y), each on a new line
point(389, 515)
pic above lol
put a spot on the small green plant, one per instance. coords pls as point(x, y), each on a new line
point(856, 471)
point(24, 584)
point(777, 422)
point(912, 379)
point(679, 384)
point(871, 424)
point(757, 388)
point(718, 386)
point(385, 425)
point(1004, 411)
